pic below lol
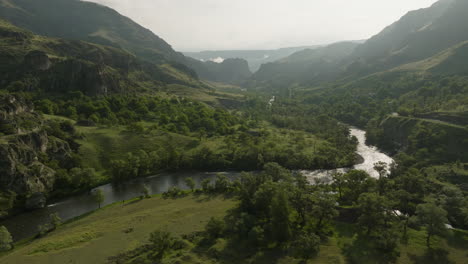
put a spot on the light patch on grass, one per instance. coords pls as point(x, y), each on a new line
point(64, 243)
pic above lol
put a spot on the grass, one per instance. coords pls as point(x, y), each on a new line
point(450, 249)
point(125, 226)
point(100, 145)
point(94, 238)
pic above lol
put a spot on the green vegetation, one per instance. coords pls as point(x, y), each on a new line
point(276, 216)
point(6, 241)
point(76, 114)
point(101, 25)
point(119, 227)
point(98, 197)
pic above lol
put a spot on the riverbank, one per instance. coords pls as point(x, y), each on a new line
point(119, 227)
point(25, 225)
point(96, 236)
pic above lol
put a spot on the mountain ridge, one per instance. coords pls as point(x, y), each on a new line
point(91, 22)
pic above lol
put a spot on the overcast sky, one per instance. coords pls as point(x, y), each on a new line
point(193, 25)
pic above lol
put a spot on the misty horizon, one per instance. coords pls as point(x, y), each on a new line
point(213, 25)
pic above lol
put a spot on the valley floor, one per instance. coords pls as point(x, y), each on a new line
point(124, 226)
point(105, 233)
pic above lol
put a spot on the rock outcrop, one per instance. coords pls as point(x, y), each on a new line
point(24, 179)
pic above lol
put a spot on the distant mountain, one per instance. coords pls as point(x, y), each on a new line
point(91, 22)
point(233, 71)
point(255, 58)
point(417, 36)
point(310, 66)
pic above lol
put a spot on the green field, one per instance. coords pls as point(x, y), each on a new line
point(106, 232)
point(94, 238)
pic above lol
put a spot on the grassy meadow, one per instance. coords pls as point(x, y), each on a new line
point(122, 227)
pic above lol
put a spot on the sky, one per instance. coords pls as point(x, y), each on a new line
point(195, 25)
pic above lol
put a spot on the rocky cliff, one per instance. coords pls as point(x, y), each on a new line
point(25, 180)
point(37, 63)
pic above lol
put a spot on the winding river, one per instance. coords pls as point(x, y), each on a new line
point(369, 154)
point(25, 225)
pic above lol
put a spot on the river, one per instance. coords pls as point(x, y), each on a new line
point(369, 154)
point(26, 224)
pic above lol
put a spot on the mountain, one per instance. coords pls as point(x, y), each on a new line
point(255, 58)
point(72, 19)
point(452, 61)
point(91, 22)
point(37, 63)
point(417, 35)
point(304, 67)
point(232, 71)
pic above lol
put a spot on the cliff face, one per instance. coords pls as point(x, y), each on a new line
point(24, 180)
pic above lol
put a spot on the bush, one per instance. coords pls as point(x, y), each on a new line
point(215, 228)
point(6, 241)
point(161, 243)
point(173, 192)
point(306, 246)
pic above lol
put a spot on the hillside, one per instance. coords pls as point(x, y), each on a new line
point(36, 63)
point(417, 35)
point(303, 68)
point(86, 21)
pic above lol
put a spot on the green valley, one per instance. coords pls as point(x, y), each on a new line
point(116, 148)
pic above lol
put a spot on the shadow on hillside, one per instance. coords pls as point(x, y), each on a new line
point(432, 256)
point(458, 240)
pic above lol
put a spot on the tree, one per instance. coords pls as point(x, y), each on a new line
point(6, 241)
point(256, 236)
point(406, 207)
point(381, 168)
point(145, 192)
point(306, 246)
point(433, 218)
point(215, 228)
point(44, 229)
point(280, 213)
point(55, 220)
point(190, 183)
point(98, 197)
point(276, 172)
point(323, 208)
point(222, 183)
point(453, 201)
point(338, 183)
point(82, 178)
point(356, 182)
point(372, 210)
point(161, 243)
point(206, 185)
